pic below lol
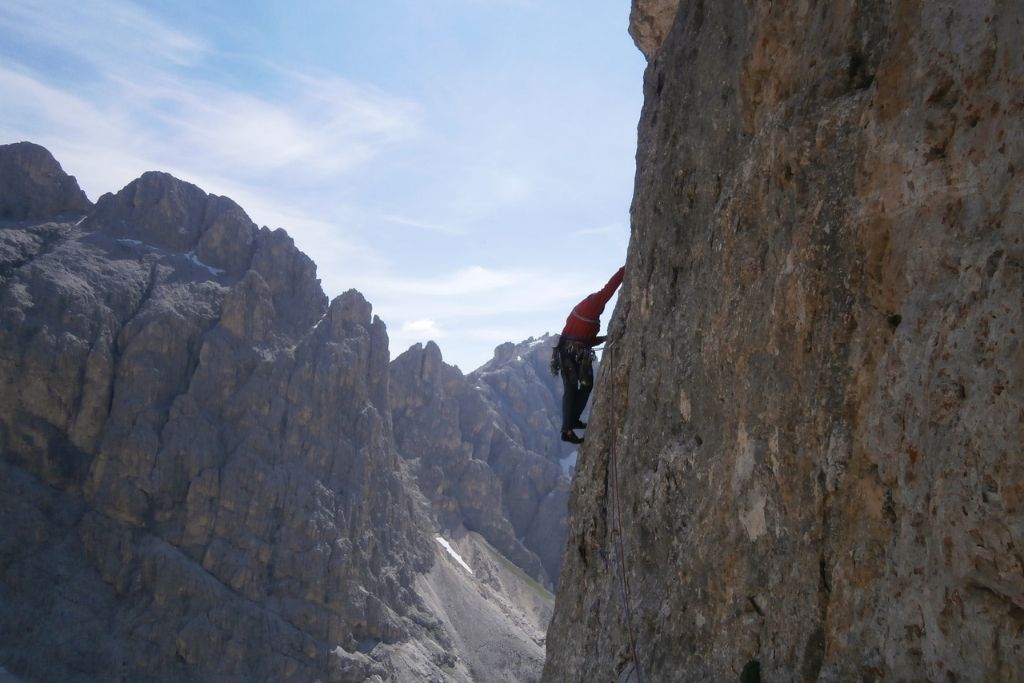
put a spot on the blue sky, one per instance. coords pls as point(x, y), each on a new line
point(466, 164)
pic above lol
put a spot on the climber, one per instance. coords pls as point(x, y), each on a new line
point(573, 357)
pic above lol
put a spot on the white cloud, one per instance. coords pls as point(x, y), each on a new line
point(325, 127)
point(127, 92)
point(473, 309)
point(422, 328)
point(469, 297)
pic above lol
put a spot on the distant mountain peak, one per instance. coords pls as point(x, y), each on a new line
point(34, 186)
point(173, 214)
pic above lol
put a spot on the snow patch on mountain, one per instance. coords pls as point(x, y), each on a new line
point(451, 551)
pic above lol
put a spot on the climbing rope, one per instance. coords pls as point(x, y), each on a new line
point(616, 532)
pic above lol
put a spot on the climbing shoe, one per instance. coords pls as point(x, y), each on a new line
point(580, 425)
point(571, 437)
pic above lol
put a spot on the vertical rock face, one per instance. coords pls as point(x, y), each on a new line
point(815, 408)
point(198, 477)
point(485, 450)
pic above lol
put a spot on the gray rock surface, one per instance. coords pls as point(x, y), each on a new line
point(649, 23)
point(484, 450)
point(517, 381)
point(815, 406)
point(497, 616)
point(198, 476)
point(34, 186)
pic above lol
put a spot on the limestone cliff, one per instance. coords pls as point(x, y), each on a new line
point(814, 400)
point(198, 477)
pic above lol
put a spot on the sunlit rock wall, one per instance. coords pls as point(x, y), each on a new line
point(815, 395)
point(649, 23)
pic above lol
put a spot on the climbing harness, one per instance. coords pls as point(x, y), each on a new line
point(616, 532)
point(578, 351)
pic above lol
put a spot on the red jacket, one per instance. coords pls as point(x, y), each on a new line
point(584, 322)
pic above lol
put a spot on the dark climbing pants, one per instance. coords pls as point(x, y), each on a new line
point(577, 379)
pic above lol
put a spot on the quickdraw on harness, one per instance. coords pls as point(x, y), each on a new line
point(575, 348)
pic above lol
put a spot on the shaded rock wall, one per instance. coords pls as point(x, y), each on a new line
point(517, 383)
point(199, 480)
point(485, 448)
point(815, 399)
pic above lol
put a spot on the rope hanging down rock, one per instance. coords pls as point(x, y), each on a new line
point(616, 531)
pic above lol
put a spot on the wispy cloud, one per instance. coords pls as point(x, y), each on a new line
point(128, 85)
point(470, 280)
point(422, 328)
point(29, 102)
point(610, 229)
point(473, 293)
point(325, 126)
point(106, 35)
point(428, 226)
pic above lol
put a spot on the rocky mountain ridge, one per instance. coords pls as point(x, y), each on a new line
point(200, 478)
point(804, 460)
point(485, 447)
